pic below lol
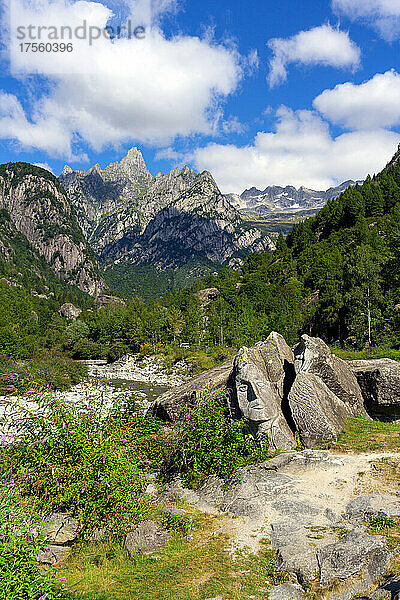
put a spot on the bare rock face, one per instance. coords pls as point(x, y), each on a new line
point(379, 381)
point(172, 405)
point(147, 537)
point(319, 415)
point(69, 311)
point(262, 375)
point(313, 356)
point(39, 209)
point(355, 553)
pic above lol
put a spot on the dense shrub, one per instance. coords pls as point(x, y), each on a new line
point(20, 542)
point(209, 441)
point(79, 458)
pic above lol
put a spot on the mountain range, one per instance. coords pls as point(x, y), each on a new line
point(275, 199)
point(122, 229)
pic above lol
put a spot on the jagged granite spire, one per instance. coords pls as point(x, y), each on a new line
point(395, 160)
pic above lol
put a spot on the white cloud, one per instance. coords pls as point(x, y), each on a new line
point(322, 45)
point(384, 15)
point(371, 105)
point(45, 166)
point(43, 134)
point(147, 91)
point(301, 151)
point(169, 154)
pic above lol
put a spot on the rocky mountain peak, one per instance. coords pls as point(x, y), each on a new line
point(396, 159)
point(66, 170)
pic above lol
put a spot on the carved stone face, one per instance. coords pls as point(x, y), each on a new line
point(254, 394)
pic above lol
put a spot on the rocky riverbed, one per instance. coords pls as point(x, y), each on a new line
point(147, 369)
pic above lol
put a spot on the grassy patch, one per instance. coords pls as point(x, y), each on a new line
point(187, 569)
point(367, 354)
point(199, 359)
point(362, 435)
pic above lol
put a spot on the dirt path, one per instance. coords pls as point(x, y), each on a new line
point(307, 496)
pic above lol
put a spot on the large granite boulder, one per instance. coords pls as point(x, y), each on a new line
point(263, 375)
point(313, 356)
point(172, 405)
point(319, 415)
point(379, 381)
point(147, 537)
point(356, 553)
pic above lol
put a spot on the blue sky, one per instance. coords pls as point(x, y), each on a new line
point(211, 88)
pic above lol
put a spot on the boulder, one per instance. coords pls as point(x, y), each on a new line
point(313, 356)
point(318, 413)
point(61, 529)
point(172, 405)
point(263, 375)
point(356, 555)
point(147, 537)
point(53, 555)
point(287, 591)
point(69, 311)
point(299, 560)
point(379, 381)
point(364, 509)
point(207, 296)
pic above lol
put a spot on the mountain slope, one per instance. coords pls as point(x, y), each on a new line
point(179, 220)
point(333, 272)
point(37, 216)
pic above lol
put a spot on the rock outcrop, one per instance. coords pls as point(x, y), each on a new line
point(310, 392)
point(301, 501)
point(356, 553)
point(379, 381)
point(38, 207)
point(172, 405)
point(262, 376)
point(69, 311)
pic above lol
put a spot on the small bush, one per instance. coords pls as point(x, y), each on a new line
point(382, 523)
point(209, 441)
point(53, 371)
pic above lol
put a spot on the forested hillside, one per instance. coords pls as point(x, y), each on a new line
point(323, 279)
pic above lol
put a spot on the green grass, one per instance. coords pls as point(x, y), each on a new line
point(200, 360)
point(362, 435)
point(187, 569)
point(366, 354)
